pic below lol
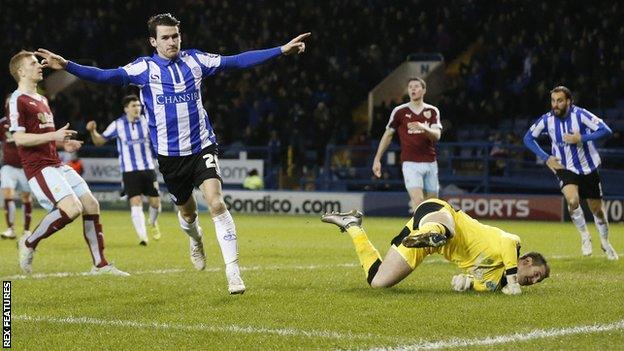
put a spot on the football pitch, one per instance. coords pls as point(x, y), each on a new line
point(305, 290)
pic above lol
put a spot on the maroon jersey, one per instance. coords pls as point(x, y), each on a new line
point(415, 145)
point(9, 149)
point(31, 114)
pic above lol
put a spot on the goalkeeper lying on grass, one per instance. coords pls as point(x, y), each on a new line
point(489, 256)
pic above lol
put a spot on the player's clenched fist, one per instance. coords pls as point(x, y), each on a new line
point(91, 126)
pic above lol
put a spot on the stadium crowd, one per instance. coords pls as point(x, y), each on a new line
point(300, 102)
point(505, 85)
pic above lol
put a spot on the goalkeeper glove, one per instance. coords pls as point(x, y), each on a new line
point(461, 282)
point(512, 287)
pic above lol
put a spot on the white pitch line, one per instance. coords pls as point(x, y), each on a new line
point(504, 339)
point(434, 260)
point(288, 332)
point(177, 270)
point(81, 274)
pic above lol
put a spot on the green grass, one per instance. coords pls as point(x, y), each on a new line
point(305, 291)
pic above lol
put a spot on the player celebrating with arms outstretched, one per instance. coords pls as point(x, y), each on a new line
point(180, 130)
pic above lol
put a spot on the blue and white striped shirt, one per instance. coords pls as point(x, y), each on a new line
point(582, 158)
point(171, 95)
point(133, 144)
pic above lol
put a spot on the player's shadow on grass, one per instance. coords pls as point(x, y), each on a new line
point(400, 291)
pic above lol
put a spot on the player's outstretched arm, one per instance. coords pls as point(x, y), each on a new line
point(51, 60)
point(115, 76)
point(256, 57)
point(295, 46)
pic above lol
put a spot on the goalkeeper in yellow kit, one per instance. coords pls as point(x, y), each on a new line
point(488, 255)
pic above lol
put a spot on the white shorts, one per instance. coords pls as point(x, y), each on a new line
point(52, 184)
point(423, 175)
point(13, 178)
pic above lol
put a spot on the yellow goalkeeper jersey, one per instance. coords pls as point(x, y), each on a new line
point(487, 253)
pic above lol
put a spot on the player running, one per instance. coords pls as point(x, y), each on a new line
point(136, 164)
point(573, 131)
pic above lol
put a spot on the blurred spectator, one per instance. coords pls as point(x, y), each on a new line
point(72, 160)
point(253, 181)
point(354, 45)
point(380, 184)
point(338, 71)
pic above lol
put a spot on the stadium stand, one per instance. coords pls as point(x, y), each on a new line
point(295, 109)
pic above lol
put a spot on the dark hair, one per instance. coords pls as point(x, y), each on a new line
point(564, 90)
point(161, 19)
point(538, 260)
point(253, 172)
point(128, 99)
point(418, 79)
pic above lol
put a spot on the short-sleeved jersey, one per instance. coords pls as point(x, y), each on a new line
point(31, 114)
point(171, 97)
point(580, 158)
point(487, 253)
point(10, 155)
point(133, 143)
point(415, 145)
